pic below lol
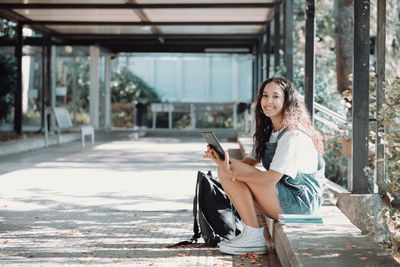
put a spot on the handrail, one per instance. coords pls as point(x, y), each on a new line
point(332, 113)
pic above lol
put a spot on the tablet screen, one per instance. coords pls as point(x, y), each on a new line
point(213, 142)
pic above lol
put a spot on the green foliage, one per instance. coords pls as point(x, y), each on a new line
point(7, 28)
point(8, 83)
point(390, 117)
point(388, 219)
point(127, 87)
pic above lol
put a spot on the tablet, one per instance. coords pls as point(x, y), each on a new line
point(213, 142)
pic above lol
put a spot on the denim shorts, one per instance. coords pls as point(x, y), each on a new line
point(300, 195)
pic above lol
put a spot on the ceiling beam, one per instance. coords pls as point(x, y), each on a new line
point(136, 6)
point(146, 23)
point(166, 36)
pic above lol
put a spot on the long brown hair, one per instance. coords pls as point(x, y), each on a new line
point(295, 115)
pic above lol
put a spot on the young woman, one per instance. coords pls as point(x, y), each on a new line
point(290, 150)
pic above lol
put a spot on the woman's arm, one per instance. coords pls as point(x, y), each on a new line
point(245, 172)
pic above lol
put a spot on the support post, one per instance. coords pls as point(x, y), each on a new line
point(268, 50)
point(193, 116)
point(107, 101)
point(234, 111)
point(277, 38)
point(289, 26)
point(310, 57)
point(380, 95)
point(94, 86)
point(261, 58)
point(18, 92)
point(360, 96)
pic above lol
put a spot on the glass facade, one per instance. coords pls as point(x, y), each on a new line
point(197, 78)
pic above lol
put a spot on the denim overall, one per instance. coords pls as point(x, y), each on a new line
point(303, 194)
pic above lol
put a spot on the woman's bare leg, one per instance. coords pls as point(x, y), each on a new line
point(248, 195)
point(241, 197)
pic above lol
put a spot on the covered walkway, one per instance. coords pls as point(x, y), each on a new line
point(122, 201)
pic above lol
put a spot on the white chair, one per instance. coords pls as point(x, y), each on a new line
point(64, 122)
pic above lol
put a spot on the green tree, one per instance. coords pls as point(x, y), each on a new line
point(127, 87)
point(8, 83)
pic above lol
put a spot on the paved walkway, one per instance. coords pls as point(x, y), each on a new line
point(120, 202)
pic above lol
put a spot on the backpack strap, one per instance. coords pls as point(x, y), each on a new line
point(195, 223)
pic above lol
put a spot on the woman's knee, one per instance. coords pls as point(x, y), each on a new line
point(222, 175)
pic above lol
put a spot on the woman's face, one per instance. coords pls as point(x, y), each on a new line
point(272, 100)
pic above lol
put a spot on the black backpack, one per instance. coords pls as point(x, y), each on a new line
point(217, 216)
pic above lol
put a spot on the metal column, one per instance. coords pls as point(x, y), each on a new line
point(277, 39)
point(289, 26)
point(360, 95)
point(268, 50)
point(310, 57)
point(18, 92)
point(261, 58)
point(380, 94)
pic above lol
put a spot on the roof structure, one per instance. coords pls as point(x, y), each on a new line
point(148, 25)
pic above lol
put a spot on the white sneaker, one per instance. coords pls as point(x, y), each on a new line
point(250, 240)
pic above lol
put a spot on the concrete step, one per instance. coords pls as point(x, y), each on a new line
point(336, 242)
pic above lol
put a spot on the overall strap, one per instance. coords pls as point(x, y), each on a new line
point(285, 131)
point(281, 134)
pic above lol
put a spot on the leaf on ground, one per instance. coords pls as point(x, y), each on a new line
point(304, 249)
point(31, 255)
point(363, 258)
point(35, 240)
point(182, 254)
point(325, 246)
point(117, 260)
point(5, 241)
point(307, 254)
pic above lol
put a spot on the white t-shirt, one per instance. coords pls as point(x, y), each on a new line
point(295, 152)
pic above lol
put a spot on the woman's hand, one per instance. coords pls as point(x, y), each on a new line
point(222, 164)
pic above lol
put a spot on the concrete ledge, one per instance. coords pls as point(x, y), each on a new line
point(336, 242)
point(35, 143)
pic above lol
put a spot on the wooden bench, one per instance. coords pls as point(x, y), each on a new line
point(63, 122)
point(336, 242)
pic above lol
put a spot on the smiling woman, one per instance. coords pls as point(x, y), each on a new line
point(290, 151)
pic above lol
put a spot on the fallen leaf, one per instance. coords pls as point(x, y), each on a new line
point(307, 254)
point(35, 240)
point(5, 241)
point(363, 258)
point(129, 240)
point(151, 264)
point(56, 253)
point(325, 246)
point(348, 247)
point(31, 255)
point(117, 260)
point(89, 231)
point(304, 249)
